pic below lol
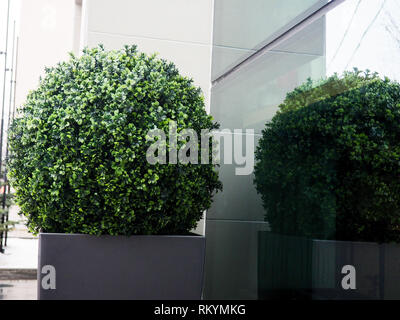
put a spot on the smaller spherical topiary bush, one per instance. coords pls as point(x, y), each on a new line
point(78, 150)
point(328, 164)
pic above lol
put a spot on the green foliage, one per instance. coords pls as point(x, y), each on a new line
point(328, 164)
point(78, 161)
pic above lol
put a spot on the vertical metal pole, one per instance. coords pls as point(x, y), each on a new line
point(11, 85)
point(6, 184)
point(2, 119)
point(13, 113)
point(4, 85)
point(15, 77)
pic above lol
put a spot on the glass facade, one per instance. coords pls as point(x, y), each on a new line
point(243, 27)
point(246, 258)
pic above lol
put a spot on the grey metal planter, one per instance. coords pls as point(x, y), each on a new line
point(376, 268)
point(73, 266)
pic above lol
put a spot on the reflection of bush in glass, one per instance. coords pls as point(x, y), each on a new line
point(328, 164)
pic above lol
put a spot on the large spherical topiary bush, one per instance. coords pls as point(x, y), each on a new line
point(78, 150)
point(328, 164)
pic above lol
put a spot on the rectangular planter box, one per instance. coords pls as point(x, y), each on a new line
point(73, 266)
point(300, 268)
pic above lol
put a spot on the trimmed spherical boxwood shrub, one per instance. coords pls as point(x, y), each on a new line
point(328, 164)
point(78, 161)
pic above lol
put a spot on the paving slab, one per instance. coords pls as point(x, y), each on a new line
point(18, 290)
point(20, 254)
point(18, 264)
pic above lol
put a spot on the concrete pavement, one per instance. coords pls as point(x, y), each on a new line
point(19, 262)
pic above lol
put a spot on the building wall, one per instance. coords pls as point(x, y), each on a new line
point(178, 30)
point(46, 36)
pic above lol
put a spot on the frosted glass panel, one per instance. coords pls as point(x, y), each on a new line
point(252, 97)
point(247, 24)
point(240, 27)
point(366, 35)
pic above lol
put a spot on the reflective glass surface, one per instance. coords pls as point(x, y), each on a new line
point(306, 255)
